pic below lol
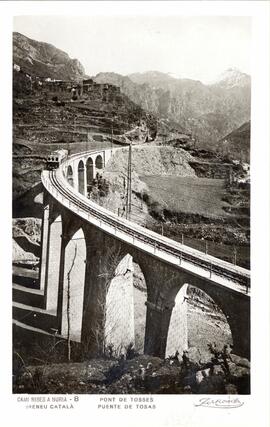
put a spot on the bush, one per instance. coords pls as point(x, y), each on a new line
point(103, 187)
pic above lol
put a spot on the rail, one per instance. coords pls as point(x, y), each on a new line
point(220, 271)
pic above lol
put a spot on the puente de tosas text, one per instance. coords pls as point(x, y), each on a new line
point(82, 242)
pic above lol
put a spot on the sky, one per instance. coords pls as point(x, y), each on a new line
point(199, 48)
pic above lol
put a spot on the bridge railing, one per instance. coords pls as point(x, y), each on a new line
point(58, 186)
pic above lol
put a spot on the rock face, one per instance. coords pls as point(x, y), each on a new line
point(44, 60)
point(19, 255)
point(152, 160)
point(26, 235)
point(209, 112)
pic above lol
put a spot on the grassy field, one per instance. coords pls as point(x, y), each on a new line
point(188, 194)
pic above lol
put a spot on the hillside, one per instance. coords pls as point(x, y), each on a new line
point(205, 112)
point(44, 60)
point(208, 112)
point(237, 142)
point(41, 125)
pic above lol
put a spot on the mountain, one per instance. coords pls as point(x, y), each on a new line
point(237, 143)
point(209, 112)
point(44, 60)
point(142, 94)
point(154, 79)
point(233, 78)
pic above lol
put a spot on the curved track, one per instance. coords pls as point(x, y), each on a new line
point(59, 188)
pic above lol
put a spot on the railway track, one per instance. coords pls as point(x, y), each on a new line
point(184, 253)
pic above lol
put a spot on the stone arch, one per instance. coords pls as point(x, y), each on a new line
point(73, 286)
point(197, 318)
point(70, 175)
point(177, 338)
point(99, 162)
point(81, 183)
point(90, 175)
point(119, 329)
point(125, 315)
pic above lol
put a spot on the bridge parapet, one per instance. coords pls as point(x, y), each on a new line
point(80, 236)
point(213, 269)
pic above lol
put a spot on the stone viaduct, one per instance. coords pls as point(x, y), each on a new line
point(83, 248)
point(80, 170)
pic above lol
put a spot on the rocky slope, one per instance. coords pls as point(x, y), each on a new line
point(152, 160)
point(206, 112)
point(41, 125)
point(139, 375)
point(209, 112)
point(44, 60)
point(237, 143)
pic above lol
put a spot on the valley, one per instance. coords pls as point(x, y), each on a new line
point(206, 112)
point(189, 182)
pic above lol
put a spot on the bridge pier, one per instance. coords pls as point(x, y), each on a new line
point(73, 287)
point(85, 181)
point(108, 312)
point(53, 263)
point(94, 288)
point(75, 175)
point(156, 330)
point(44, 245)
point(103, 254)
point(238, 317)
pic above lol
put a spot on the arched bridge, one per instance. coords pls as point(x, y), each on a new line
point(82, 247)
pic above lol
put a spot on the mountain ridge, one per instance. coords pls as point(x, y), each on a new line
point(209, 112)
point(233, 77)
point(44, 60)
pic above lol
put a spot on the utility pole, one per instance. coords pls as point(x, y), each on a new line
point(128, 201)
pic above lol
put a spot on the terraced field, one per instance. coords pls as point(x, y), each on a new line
point(191, 210)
